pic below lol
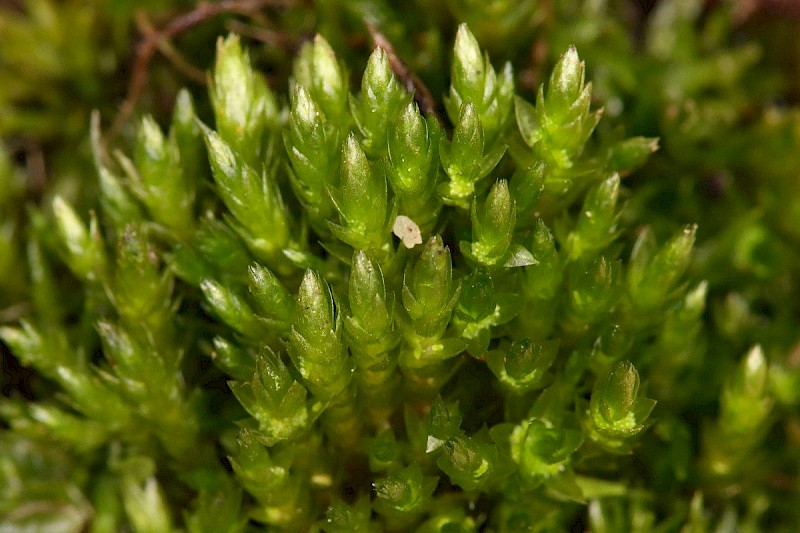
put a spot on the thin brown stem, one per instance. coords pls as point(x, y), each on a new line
point(264, 35)
point(13, 313)
point(147, 48)
point(164, 46)
point(412, 82)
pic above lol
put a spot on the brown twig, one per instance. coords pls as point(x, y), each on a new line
point(36, 168)
point(745, 10)
point(410, 80)
point(16, 5)
point(530, 76)
point(147, 29)
point(150, 44)
point(14, 312)
point(264, 35)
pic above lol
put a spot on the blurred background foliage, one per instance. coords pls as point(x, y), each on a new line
point(718, 82)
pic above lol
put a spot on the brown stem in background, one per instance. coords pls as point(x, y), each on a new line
point(746, 9)
point(530, 75)
point(14, 313)
point(412, 83)
point(147, 29)
point(154, 40)
point(35, 168)
point(265, 35)
point(16, 5)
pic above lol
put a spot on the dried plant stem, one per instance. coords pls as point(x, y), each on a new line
point(412, 82)
point(158, 40)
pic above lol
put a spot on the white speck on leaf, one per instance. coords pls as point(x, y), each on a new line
point(407, 231)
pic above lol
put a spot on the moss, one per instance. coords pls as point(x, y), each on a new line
point(539, 277)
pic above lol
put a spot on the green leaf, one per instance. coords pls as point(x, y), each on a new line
point(542, 450)
point(232, 308)
point(275, 400)
point(255, 201)
point(464, 160)
point(594, 289)
point(343, 518)
point(162, 184)
point(312, 145)
point(380, 100)
point(522, 366)
point(361, 200)
point(566, 81)
point(243, 105)
point(526, 186)
point(369, 303)
point(493, 226)
point(543, 277)
point(83, 247)
point(519, 256)
point(652, 276)
point(617, 412)
point(407, 492)
point(319, 72)
point(597, 224)
point(315, 341)
point(232, 359)
point(271, 296)
point(627, 155)
point(474, 81)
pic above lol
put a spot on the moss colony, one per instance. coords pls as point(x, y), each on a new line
point(403, 287)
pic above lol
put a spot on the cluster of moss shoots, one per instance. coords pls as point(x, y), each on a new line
point(415, 322)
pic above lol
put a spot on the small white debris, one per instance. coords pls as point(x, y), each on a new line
point(407, 231)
